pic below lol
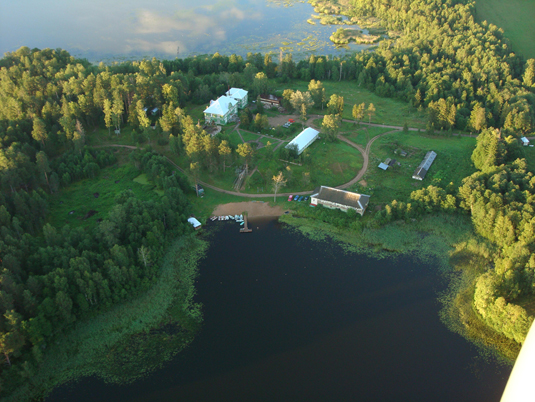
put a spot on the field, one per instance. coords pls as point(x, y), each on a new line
point(451, 165)
point(388, 110)
point(97, 195)
point(362, 135)
point(515, 17)
point(529, 154)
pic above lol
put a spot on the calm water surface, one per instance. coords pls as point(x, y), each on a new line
point(114, 30)
point(289, 319)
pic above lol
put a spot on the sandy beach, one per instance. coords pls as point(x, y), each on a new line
point(253, 208)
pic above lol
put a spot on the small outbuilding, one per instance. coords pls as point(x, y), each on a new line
point(421, 170)
point(304, 139)
point(270, 100)
point(343, 200)
point(195, 223)
point(525, 141)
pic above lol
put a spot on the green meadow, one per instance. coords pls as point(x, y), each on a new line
point(97, 194)
point(450, 166)
point(388, 110)
point(515, 17)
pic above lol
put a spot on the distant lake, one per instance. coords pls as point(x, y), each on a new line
point(290, 319)
point(117, 30)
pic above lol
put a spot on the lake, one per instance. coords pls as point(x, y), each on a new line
point(290, 319)
point(119, 30)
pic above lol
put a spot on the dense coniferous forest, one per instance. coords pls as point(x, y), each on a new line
point(463, 73)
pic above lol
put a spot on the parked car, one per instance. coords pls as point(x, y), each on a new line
point(306, 198)
point(290, 197)
point(296, 198)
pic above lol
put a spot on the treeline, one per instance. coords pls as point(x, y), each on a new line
point(500, 198)
point(51, 277)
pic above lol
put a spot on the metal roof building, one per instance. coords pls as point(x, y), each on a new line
point(221, 106)
point(304, 139)
point(424, 166)
point(335, 198)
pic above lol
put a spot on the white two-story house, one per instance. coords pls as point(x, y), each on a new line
point(221, 110)
point(241, 95)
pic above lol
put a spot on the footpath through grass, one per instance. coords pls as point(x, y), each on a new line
point(515, 17)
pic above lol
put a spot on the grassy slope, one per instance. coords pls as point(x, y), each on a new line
point(388, 110)
point(515, 17)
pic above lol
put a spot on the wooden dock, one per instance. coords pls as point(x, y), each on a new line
point(245, 228)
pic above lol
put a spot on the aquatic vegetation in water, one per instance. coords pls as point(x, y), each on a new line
point(344, 36)
point(134, 337)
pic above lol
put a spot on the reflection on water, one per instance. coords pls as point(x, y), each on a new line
point(289, 319)
point(100, 30)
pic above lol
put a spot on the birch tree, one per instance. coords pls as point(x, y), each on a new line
point(278, 182)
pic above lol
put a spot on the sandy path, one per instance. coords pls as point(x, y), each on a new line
point(365, 155)
point(253, 208)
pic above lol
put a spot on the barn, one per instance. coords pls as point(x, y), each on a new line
point(335, 198)
point(423, 167)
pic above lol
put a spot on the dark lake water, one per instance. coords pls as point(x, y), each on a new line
point(290, 319)
point(102, 30)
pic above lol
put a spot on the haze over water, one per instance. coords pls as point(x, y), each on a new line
point(115, 30)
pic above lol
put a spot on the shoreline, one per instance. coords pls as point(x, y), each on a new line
point(254, 209)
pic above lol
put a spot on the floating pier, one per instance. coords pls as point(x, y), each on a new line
point(245, 228)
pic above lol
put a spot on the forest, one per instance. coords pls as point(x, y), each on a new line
point(462, 73)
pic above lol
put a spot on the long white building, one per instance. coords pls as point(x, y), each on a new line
point(424, 166)
point(304, 139)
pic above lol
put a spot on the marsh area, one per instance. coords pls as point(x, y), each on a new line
point(115, 31)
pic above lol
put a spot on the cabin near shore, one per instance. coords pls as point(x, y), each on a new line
point(423, 167)
point(343, 200)
point(195, 223)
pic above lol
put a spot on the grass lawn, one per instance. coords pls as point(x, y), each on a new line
point(529, 154)
point(265, 140)
point(235, 139)
point(248, 136)
point(331, 164)
point(451, 165)
point(364, 134)
point(388, 110)
point(515, 17)
point(80, 196)
point(196, 111)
